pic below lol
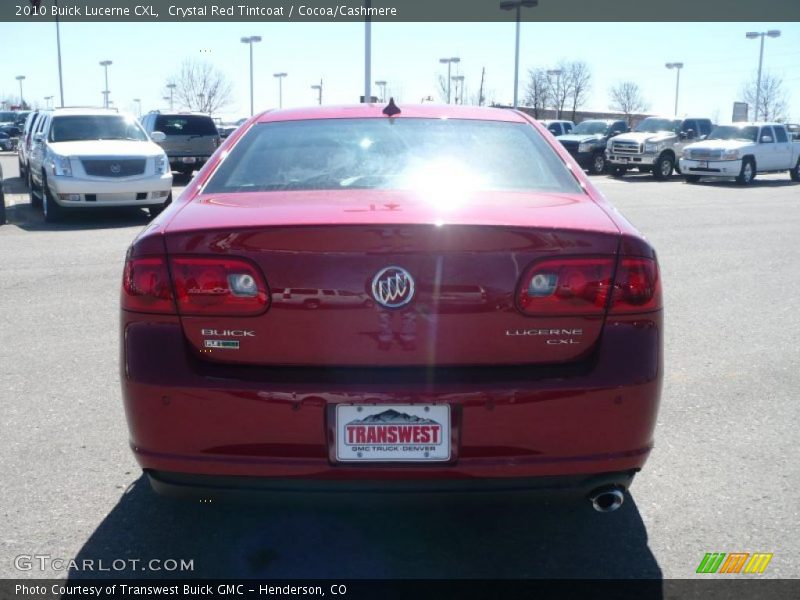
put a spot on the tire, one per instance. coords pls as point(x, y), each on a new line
point(22, 173)
point(795, 173)
point(598, 166)
point(663, 167)
point(691, 178)
point(36, 201)
point(157, 210)
point(2, 205)
point(51, 209)
point(617, 172)
point(748, 172)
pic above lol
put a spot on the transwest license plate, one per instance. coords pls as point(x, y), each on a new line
point(397, 433)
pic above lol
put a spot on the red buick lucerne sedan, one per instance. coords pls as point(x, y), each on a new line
point(391, 298)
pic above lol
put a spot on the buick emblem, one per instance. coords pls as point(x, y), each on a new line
point(393, 287)
point(115, 168)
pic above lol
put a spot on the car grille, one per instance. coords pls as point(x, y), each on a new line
point(570, 146)
point(702, 154)
point(626, 148)
point(113, 167)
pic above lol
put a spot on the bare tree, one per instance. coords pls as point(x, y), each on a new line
point(772, 102)
point(578, 78)
point(626, 97)
point(537, 92)
point(201, 86)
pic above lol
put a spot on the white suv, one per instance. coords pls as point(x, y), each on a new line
point(95, 157)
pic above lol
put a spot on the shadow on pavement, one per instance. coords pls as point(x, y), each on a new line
point(27, 217)
point(495, 537)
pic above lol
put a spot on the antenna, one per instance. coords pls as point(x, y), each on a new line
point(391, 109)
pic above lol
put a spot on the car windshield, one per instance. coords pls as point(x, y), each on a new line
point(447, 157)
point(732, 132)
point(185, 125)
point(651, 125)
point(73, 128)
point(591, 128)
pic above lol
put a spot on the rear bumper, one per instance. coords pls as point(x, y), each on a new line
point(186, 416)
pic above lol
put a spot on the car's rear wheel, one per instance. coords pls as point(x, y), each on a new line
point(598, 164)
point(748, 172)
point(795, 173)
point(157, 210)
point(51, 209)
point(617, 171)
point(663, 167)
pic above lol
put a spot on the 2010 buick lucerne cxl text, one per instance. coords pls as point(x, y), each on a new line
point(413, 298)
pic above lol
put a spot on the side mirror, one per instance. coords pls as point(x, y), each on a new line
point(158, 137)
point(766, 139)
point(690, 133)
point(38, 138)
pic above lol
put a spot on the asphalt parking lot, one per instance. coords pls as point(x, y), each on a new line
point(724, 475)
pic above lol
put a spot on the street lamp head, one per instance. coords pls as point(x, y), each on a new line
point(316, 87)
point(20, 77)
point(773, 33)
point(251, 39)
point(105, 63)
point(279, 74)
point(555, 71)
point(172, 86)
point(751, 35)
point(512, 4)
point(457, 78)
point(674, 65)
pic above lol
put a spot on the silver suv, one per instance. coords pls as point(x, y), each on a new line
point(190, 137)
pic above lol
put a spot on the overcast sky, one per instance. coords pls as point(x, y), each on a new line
point(718, 60)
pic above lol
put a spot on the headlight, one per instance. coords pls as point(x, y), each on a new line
point(585, 147)
point(653, 147)
point(730, 155)
point(687, 153)
point(162, 165)
point(62, 166)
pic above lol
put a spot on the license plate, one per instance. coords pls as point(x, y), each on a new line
point(188, 160)
point(623, 159)
point(703, 164)
point(396, 433)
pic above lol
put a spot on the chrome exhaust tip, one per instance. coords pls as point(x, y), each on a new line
point(607, 499)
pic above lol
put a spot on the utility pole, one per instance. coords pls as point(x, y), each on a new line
point(480, 92)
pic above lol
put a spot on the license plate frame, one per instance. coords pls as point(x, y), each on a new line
point(370, 434)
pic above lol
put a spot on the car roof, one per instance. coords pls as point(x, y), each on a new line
point(375, 111)
point(81, 110)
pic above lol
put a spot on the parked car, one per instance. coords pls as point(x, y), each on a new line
point(654, 145)
point(7, 143)
point(794, 130)
point(95, 157)
point(223, 390)
point(587, 142)
point(191, 137)
point(2, 199)
point(741, 151)
point(558, 127)
point(24, 146)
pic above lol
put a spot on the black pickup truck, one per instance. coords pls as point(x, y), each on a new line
point(587, 142)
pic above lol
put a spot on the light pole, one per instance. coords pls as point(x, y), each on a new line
point(47, 100)
point(105, 64)
point(139, 105)
point(201, 96)
point(449, 62)
point(367, 52)
point(171, 87)
point(751, 35)
point(678, 66)
point(557, 73)
point(517, 4)
point(21, 78)
point(319, 90)
point(251, 40)
point(459, 79)
point(279, 77)
point(382, 85)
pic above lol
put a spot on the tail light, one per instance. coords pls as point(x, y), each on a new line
point(146, 287)
point(218, 286)
point(638, 287)
point(586, 286)
point(199, 286)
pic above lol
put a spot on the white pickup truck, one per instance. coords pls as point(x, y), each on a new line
point(741, 151)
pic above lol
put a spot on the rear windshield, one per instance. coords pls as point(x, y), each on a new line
point(185, 125)
point(95, 127)
point(450, 155)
